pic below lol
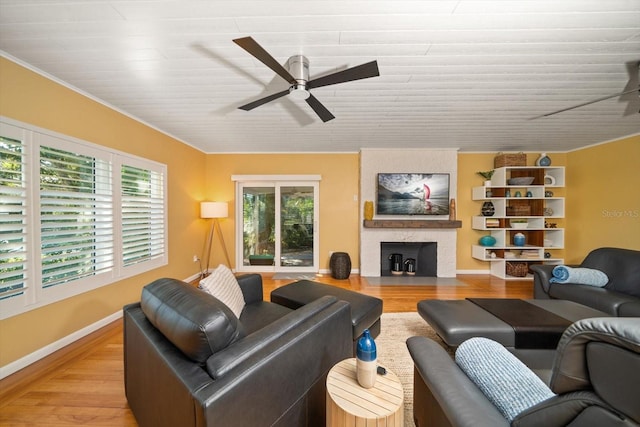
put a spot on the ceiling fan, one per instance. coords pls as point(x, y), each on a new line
point(297, 75)
point(633, 86)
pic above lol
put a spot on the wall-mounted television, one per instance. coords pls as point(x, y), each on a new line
point(413, 194)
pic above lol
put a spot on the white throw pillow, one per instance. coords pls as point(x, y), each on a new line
point(222, 284)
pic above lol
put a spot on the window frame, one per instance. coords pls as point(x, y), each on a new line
point(35, 295)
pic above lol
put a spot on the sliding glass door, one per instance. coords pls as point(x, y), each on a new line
point(277, 225)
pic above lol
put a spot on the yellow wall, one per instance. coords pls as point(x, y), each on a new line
point(31, 98)
point(603, 198)
point(339, 214)
point(601, 178)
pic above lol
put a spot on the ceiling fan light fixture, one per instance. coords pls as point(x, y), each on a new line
point(299, 91)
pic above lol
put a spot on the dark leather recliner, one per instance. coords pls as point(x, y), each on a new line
point(619, 297)
point(595, 375)
point(190, 362)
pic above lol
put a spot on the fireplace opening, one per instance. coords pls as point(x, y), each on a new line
point(423, 256)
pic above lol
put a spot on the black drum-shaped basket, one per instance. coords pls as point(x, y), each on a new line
point(340, 264)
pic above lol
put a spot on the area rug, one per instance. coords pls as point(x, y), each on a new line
point(392, 350)
point(294, 276)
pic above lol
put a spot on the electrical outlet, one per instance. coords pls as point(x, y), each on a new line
point(195, 258)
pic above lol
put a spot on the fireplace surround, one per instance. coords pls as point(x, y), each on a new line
point(374, 161)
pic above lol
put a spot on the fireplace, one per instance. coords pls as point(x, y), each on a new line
point(424, 254)
point(374, 161)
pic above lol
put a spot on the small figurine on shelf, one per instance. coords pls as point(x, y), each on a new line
point(452, 210)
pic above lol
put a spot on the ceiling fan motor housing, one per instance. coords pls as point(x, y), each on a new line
point(298, 67)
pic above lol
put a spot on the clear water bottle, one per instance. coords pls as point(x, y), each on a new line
point(366, 360)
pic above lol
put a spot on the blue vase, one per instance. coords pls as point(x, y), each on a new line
point(487, 240)
point(519, 239)
point(366, 360)
point(543, 160)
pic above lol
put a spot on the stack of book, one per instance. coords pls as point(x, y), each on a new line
point(492, 223)
point(529, 253)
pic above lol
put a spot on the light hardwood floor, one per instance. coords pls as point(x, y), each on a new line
point(82, 384)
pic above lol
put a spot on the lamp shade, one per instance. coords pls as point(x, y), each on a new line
point(214, 210)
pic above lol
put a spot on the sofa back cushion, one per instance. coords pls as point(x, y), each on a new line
point(622, 266)
point(194, 321)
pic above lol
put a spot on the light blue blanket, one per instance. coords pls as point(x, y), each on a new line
point(578, 276)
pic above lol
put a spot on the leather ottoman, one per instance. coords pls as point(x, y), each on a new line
point(365, 310)
point(458, 320)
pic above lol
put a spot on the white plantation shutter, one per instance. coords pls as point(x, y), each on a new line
point(13, 216)
point(143, 215)
point(76, 219)
point(74, 216)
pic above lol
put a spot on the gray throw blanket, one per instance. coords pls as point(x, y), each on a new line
point(578, 276)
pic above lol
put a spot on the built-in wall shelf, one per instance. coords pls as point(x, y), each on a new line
point(411, 223)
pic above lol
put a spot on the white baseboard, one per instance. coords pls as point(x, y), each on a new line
point(473, 271)
point(45, 351)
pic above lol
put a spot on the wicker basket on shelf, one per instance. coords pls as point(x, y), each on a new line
point(517, 269)
point(510, 159)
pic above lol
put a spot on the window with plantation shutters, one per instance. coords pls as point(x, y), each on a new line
point(13, 216)
point(142, 214)
point(74, 216)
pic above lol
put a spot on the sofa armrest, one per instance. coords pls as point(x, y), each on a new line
point(458, 400)
point(251, 286)
point(562, 410)
point(222, 362)
point(541, 276)
point(570, 368)
point(290, 370)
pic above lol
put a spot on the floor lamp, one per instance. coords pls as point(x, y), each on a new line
point(215, 211)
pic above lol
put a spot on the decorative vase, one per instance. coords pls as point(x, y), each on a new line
point(519, 239)
point(488, 209)
point(368, 210)
point(487, 240)
point(366, 360)
point(543, 160)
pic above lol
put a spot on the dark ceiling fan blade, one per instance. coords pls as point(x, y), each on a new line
point(593, 101)
point(262, 101)
point(633, 85)
point(320, 109)
point(633, 103)
point(251, 46)
point(364, 71)
point(632, 99)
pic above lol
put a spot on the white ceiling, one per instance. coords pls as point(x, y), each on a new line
point(465, 74)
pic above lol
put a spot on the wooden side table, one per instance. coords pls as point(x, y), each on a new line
point(349, 404)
